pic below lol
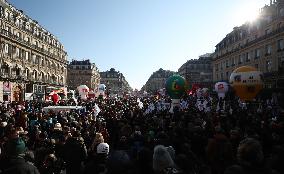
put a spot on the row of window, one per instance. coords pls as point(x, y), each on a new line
point(30, 26)
point(8, 31)
point(246, 57)
point(80, 67)
point(226, 76)
point(35, 75)
point(27, 56)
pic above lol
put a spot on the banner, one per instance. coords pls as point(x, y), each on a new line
point(7, 87)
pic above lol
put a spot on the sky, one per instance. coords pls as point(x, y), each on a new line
point(137, 37)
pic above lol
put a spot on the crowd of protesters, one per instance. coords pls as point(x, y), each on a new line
point(140, 136)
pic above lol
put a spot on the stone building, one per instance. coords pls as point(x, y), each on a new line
point(157, 81)
point(82, 73)
point(31, 58)
point(198, 71)
point(115, 82)
point(259, 44)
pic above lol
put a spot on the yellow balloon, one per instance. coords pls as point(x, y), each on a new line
point(247, 82)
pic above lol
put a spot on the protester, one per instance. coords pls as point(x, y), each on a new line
point(140, 135)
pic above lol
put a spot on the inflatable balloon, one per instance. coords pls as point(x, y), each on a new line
point(83, 91)
point(101, 89)
point(55, 98)
point(247, 82)
point(221, 88)
point(176, 87)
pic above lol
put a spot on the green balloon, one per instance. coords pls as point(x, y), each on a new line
point(176, 86)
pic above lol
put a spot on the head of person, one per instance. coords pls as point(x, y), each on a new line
point(162, 158)
point(250, 152)
point(119, 162)
point(103, 149)
point(16, 147)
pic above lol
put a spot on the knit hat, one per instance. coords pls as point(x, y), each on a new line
point(16, 147)
point(103, 148)
point(161, 158)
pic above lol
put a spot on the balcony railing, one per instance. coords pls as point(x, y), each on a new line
point(24, 42)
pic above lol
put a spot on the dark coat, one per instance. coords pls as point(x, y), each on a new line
point(18, 165)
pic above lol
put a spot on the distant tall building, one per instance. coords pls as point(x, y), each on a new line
point(259, 44)
point(198, 71)
point(115, 82)
point(157, 81)
point(31, 58)
point(82, 73)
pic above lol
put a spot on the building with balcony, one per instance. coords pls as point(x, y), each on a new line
point(31, 58)
point(157, 81)
point(82, 73)
point(259, 44)
point(198, 71)
point(115, 82)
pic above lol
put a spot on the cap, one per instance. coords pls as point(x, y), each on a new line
point(103, 148)
point(57, 126)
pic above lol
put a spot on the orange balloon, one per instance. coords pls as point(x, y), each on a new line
point(247, 82)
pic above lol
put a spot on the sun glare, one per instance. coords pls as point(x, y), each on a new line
point(247, 13)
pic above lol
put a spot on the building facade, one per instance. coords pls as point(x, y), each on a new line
point(31, 58)
point(82, 73)
point(198, 71)
point(157, 81)
point(115, 82)
point(259, 44)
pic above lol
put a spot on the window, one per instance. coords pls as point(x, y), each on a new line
point(250, 54)
point(240, 59)
point(217, 67)
point(77, 67)
point(269, 65)
point(268, 50)
point(232, 61)
point(281, 12)
point(280, 44)
point(7, 48)
point(33, 58)
point(17, 52)
point(247, 57)
point(227, 74)
point(227, 63)
point(267, 31)
point(27, 56)
point(37, 60)
point(257, 53)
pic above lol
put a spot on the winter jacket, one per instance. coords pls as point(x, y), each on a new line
point(18, 165)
